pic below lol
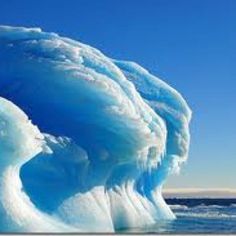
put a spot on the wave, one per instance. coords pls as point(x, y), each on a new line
point(204, 211)
point(207, 215)
point(107, 135)
point(200, 206)
point(178, 207)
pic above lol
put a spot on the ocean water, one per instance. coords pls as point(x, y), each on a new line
point(197, 216)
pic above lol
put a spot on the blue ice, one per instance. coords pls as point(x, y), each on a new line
point(86, 141)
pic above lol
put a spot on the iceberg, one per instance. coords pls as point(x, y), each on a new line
point(86, 141)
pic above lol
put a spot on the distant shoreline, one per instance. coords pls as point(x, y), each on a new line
point(200, 193)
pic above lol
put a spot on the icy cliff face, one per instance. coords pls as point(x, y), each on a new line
point(110, 134)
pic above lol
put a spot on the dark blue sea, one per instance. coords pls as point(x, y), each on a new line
point(197, 216)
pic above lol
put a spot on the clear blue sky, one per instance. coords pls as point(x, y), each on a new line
point(191, 44)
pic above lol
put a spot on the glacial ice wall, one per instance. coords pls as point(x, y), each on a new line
point(107, 135)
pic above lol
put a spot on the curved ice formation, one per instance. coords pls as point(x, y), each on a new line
point(110, 134)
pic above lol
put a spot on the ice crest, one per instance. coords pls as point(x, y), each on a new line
point(108, 134)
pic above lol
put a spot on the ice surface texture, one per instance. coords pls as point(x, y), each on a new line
point(107, 135)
